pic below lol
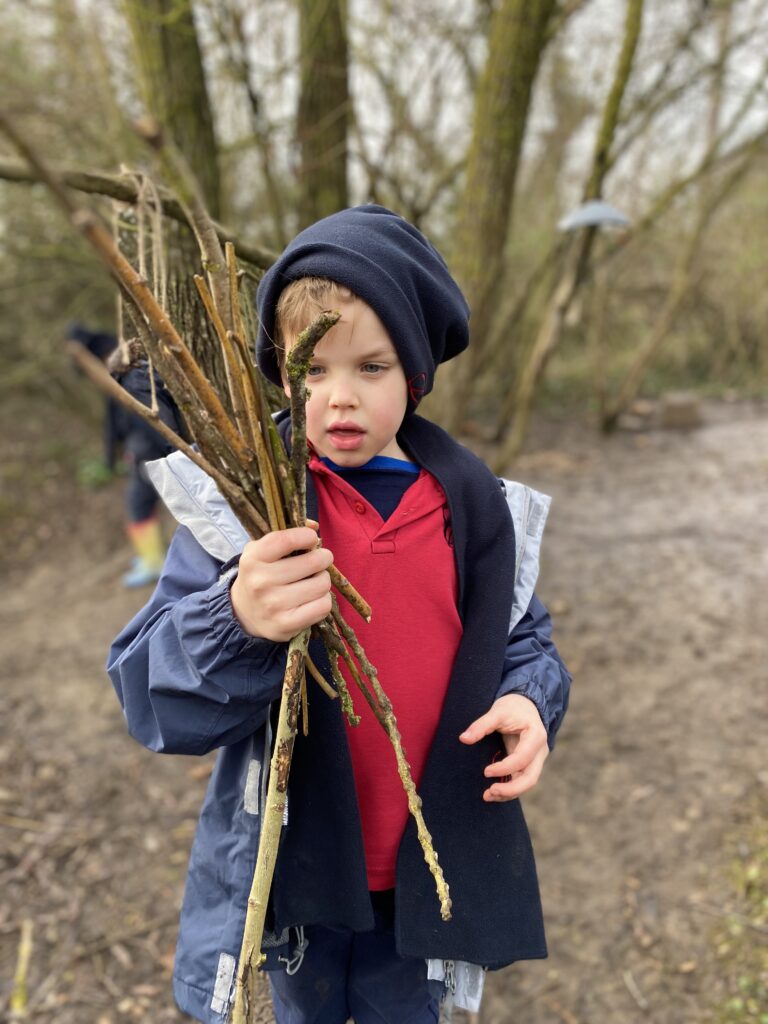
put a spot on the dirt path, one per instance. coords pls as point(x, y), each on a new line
point(656, 569)
point(656, 547)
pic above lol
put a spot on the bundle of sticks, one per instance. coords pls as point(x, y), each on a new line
point(265, 487)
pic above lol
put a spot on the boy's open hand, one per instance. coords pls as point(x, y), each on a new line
point(275, 596)
point(525, 738)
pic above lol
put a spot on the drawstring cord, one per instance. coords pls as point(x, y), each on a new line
point(294, 962)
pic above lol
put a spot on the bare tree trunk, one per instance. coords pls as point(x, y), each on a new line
point(323, 117)
point(125, 188)
point(517, 39)
point(229, 22)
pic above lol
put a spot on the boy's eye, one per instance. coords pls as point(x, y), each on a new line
point(314, 371)
point(372, 367)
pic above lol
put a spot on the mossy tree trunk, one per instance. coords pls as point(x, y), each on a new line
point(323, 117)
point(173, 86)
point(517, 40)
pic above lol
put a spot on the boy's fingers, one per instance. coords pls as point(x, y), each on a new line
point(521, 783)
point(266, 561)
point(306, 615)
point(528, 746)
point(280, 543)
point(500, 792)
point(299, 592)
point(499, 719)
point(291, 570)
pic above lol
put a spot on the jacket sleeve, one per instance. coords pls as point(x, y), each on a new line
point(533, 668)
point(187, 675)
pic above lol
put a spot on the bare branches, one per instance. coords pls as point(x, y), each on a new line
point(97, 372)
point(19, 995)
point(228, 21)
point(682, 281)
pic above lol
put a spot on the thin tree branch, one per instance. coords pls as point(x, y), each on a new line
point(124, 189)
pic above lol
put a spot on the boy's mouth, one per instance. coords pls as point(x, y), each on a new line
point(345, 436)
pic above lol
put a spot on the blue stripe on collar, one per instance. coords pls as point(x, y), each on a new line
point(380, 463)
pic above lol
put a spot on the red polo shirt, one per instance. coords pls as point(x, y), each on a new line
point(405, 569)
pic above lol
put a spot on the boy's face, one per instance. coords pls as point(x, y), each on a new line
point(359, 392)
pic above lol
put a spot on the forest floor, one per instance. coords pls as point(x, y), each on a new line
point(655, 568)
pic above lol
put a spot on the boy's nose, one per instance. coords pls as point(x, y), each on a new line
point(343, 394)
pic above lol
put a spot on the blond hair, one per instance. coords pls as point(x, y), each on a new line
point(299, 303)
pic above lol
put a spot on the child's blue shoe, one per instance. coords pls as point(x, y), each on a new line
point(140, 575)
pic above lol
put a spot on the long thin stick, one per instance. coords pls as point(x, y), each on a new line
point(19, 994)
point(251, 956)
point(382, 708)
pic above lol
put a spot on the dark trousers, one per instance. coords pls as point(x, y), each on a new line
point(355, 974)
point(141, 498)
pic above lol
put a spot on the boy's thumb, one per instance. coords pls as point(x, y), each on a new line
point(474, 732)
point(471, 734)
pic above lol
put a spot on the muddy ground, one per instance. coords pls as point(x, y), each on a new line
point(655, 567)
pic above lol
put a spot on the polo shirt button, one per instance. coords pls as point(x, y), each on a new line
point(359, 508)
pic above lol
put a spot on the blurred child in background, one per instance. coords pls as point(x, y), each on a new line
point(130, 438)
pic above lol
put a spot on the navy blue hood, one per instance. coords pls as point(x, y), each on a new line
point(99, 343)
point(391, 266)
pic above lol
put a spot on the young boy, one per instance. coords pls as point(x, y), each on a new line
point(447, 556)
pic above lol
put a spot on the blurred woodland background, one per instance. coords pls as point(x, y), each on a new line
point(490, 124)
point(484, 123)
